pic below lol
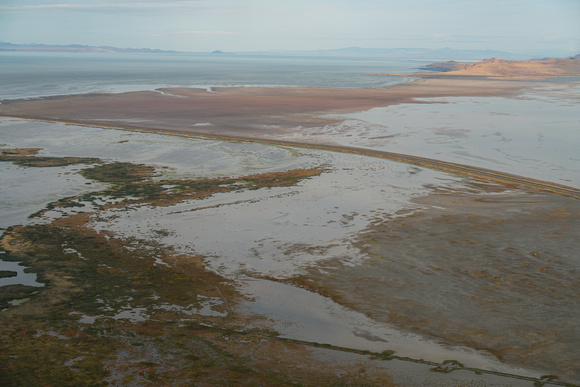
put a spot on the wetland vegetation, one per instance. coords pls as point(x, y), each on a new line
point(131, 311)
point(125, 310)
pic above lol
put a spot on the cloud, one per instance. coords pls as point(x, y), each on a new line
point(441, 38)
point(195, 33)
point(119, 6)
point(205, 32)
point(96, 6)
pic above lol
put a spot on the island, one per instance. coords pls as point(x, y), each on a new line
point(505, 69)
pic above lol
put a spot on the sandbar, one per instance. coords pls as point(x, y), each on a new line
point(248, 113)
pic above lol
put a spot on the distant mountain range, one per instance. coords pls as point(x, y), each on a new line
point(406, 53)
point(4, 46)
point(392, 53)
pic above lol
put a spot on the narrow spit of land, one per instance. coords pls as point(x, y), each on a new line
point(461, 169)
point(467, 170)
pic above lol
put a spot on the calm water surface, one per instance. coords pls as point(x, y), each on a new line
point(26, 75)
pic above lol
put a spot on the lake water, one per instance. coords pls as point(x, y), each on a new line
point(25, 75)
point(393, 242)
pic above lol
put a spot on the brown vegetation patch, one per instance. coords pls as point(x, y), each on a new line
point(25, 157)
point(40, 161)
point(19, 151)
point(118, 172)
point(73, 329)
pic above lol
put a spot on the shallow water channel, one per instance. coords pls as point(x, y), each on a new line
point(534, 134)
point(430, 265)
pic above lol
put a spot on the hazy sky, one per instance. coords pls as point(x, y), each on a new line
point(520, 26)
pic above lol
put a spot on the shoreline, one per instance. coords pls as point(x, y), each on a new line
point(272, 115)
point(465, 170)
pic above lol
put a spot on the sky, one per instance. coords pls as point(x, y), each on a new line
point(537, 27)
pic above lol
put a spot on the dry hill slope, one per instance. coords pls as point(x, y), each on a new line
point(500, 68)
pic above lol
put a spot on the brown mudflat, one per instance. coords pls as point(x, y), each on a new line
point(241, 112)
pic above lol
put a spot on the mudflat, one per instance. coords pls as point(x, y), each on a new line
point(285, 115)
point(242, 112)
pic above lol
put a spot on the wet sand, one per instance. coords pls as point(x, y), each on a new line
point(242, 112)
